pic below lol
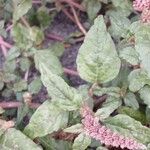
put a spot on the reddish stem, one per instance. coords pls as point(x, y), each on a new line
point(71, 2)
point(55, 37)
point(2, 42)
point(7, 105)
point(70, 72)
point(4, 50)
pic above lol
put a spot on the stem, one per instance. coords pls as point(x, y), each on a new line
point(78, 21)
point(2, 42)
point(4, 50)
point(74, 4)
point(7, 105)
point(25, 22)
point(55, 37)
point(70, 72)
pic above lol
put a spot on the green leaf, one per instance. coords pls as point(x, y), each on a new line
point(101, 148)
point(77, 128)
point(13, 53)
point(21, 7)
point(62, 95)
point(49, 59)
point(145, 95)
point(108, 107)
point(10, 66)
point(111, 91)
point(52, 144)
point(25, 37)
point(137, 79)
point(148, 114)
point(57, 48)
point(21, 113)
point(124, 6)
point(35, 86)
point(142, 45)
point(21, 36)
point(136, 114)
point(130, 100)
point(47, 119)
point(129, 127)
point(92, 8)
point(119, 24)
point(20, 86)
point(44, 17)
point(15, 140)
point(25, 64)
point(97, 54)
point(36, 35)
point(81, 142)
point(130, 55)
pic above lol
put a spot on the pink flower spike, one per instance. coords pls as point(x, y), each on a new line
point(140, 5)
point(146, 16)
point(100, 132)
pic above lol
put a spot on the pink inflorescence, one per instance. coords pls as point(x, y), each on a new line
point(144, 7)
point(94, 129)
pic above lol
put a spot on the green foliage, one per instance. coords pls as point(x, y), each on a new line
point(81, 142)
point(113, 60)
point(97, 54)
point(15, 139)
point(47, 119)
point(129, 127)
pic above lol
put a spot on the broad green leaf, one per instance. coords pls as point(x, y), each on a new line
point(111, 91)
point(92, 8)
point(97, 54)
point(25, 64)
point(52, 144)
point(119, 24)
point(47, 119)
point(136, 114)
point(13, 53)
point(21, 7)
point(62, 94)
point(50, 61)
point(81, 142)
point(124, 6)
point(108, 107)
point(130, 55)
point(35, 86)
point(129, 127)
point(1, 110)
point(77, 128)
point(20, 86)
point(130, 100)
point(15, 140)
point(145, 95)
point(142, 45)
point(137, 79)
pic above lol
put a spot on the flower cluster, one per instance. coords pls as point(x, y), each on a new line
point(94, 129)
point(144, 7)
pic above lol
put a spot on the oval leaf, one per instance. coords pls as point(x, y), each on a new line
point(97, 60)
